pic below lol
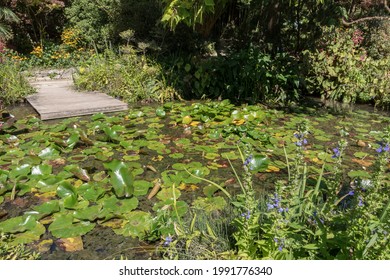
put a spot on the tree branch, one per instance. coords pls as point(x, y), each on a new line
point(386, 6)
point(346, 23)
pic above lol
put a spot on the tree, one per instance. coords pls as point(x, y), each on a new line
point(6, 18)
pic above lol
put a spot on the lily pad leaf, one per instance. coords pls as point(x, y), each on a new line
point(137, 224)
point(90, 213)
point(49, 153)
point(141, 187)
point(64, 227)
point(359, 173)
point(20, 171)
point(258, 163)
point(43, 169)
point(47, 209)
point(160, 112)
point(67, 192)
point(79, 172)
point(210, 204)
point(18, 224)
point(121, 178)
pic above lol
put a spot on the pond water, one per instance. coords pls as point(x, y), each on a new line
point(157, 142)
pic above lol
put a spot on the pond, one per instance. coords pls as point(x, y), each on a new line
point(80, 188)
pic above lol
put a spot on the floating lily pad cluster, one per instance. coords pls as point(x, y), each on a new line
point(99, 170)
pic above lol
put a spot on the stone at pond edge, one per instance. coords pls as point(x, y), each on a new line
point(71, 244)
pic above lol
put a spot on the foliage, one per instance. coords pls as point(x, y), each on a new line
point(245, 76)
point(6, 17)
point(129, 77)
point(15, 252)
point(13, 85)
point(342, 71)
point(93, 20)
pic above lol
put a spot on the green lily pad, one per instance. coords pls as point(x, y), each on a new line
point(137, 224)
point(78, 172)
point(47, 209)
point(141, 187)
point(167, 193)
point(18, 224)
point(64, 226)
point(160, 112)
point(176, 155)
point(20, 171)
point(210, 204)
point(121, 178)
point(67, 192)
point(360, 154)
point(29, 236)
point(359, 174)
point(49, 153)
point(40, 170)
point(90, 213)
point(258, 163)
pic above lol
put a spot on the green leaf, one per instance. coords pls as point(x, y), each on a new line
point(359, 173)
point(18, 224)
point(121, 178)
point(258, 163)
point(64, 227)
point(20, 171)
point(90, 213)
point(79, 172)
point(137, 224)
point(47, 209)
point(43, 169)
point(68, 193)
point(141, 187)
point(49, 153)
point(160, 112)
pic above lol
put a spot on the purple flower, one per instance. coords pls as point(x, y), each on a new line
point(168, 241)
point(351, 193)
point(246, 215)
point(361, 203)
point(336, 153)
point(248, 160)
point(383, 148)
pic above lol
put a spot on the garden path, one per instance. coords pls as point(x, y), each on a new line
point(57, 98)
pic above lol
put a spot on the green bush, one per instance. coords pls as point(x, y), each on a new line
point(129, 77)
point(245, 76)
point(342, 71)
point(13, 86)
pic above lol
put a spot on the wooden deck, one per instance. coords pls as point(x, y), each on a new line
point(57, 99)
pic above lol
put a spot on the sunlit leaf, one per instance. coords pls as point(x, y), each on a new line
point(121, 178)
point(63, 226)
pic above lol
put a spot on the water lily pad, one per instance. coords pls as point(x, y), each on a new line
point(78, 172)
point(91, 191)
point(167, 193)
point(359, 174)
point(40, 170)
point(360, 154)
point(121, 178)
point(90, 213)
point(20, 171)
point(210, 204)
point(258, 163)
point(160, 112)
point(49, 153)
point(176, 155)
point(141, 187)
point(47, 209)
point(136, 225)
point(18, 224)
point(64, 226)
point(67, 192)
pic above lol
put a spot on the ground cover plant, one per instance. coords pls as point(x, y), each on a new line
point(207, 180)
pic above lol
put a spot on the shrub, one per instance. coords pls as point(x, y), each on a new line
point(129, 77)
point(246, 76)
point(342, 71)
point(13, 86)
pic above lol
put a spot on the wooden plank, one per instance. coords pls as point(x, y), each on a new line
point(58, 99)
